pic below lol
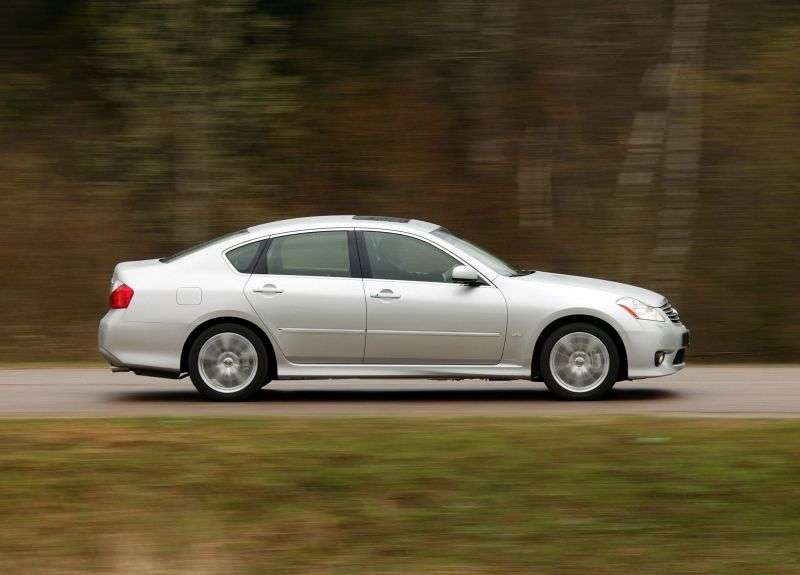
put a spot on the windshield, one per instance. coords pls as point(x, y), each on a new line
point(199, 247)
point(478, 253)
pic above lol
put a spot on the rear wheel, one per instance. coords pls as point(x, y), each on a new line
point(579, 361)
point(228, 362)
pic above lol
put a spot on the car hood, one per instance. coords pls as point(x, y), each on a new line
point(614, 288)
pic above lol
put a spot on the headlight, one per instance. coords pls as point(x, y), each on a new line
point(640, 310)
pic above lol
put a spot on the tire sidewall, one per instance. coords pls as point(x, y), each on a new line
point(260, 379)
point(552, 383)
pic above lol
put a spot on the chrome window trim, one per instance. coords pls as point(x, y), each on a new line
point(441, 246)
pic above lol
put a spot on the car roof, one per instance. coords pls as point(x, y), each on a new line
point(364, 222)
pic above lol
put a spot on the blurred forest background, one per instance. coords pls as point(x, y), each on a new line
point(655, 142)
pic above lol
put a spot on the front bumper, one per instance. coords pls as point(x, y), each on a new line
point(645, 338)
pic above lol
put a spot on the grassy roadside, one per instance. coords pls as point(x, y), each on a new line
point(579, 496)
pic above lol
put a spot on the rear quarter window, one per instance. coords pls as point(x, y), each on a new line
point(244, 257)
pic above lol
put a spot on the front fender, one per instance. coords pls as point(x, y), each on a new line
point(606, 316)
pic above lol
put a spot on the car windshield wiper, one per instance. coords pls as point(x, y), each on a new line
point(520, 273)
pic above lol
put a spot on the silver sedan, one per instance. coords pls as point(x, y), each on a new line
point(377, 297)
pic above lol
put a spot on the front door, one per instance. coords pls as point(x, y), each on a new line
point(416, 315)
point(304, 291)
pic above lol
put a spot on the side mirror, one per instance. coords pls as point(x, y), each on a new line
point(465, 275)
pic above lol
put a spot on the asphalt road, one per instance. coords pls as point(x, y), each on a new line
point(752, 391)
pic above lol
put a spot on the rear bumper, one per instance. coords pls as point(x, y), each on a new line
point(112, 360)
point(651, 337)
point(140, 346)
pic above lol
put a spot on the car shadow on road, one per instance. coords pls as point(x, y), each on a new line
point(396, 395)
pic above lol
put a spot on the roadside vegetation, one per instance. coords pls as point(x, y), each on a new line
point(458, 496)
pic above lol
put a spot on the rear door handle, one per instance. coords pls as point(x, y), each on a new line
point(268, 289)
point(386, 294)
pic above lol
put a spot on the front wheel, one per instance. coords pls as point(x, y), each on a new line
point(228, 362)
point(579, 361)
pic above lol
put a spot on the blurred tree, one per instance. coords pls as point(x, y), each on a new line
point(657, 188)
point(751, 233)
point(198, 105)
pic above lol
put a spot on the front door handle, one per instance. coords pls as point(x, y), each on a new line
point(386, 294)
point(268, 289)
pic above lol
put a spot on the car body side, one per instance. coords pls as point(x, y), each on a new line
point(177, 298)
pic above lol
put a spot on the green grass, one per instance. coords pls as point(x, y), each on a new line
point(457, 496)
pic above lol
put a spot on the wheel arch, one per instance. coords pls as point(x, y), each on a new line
point(622, 372)
point(273, 365)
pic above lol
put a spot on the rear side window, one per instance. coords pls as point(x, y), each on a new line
point(309, 254)
point(243, 257)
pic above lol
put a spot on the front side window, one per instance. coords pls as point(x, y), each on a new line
point(309, 254)
point(398, 257)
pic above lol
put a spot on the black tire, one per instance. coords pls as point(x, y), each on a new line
point(552, 381)
point(259, 380)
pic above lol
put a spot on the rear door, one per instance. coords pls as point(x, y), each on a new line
point(307, 289)
point(417, 315)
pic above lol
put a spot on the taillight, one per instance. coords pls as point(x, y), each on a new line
point(121, 297)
